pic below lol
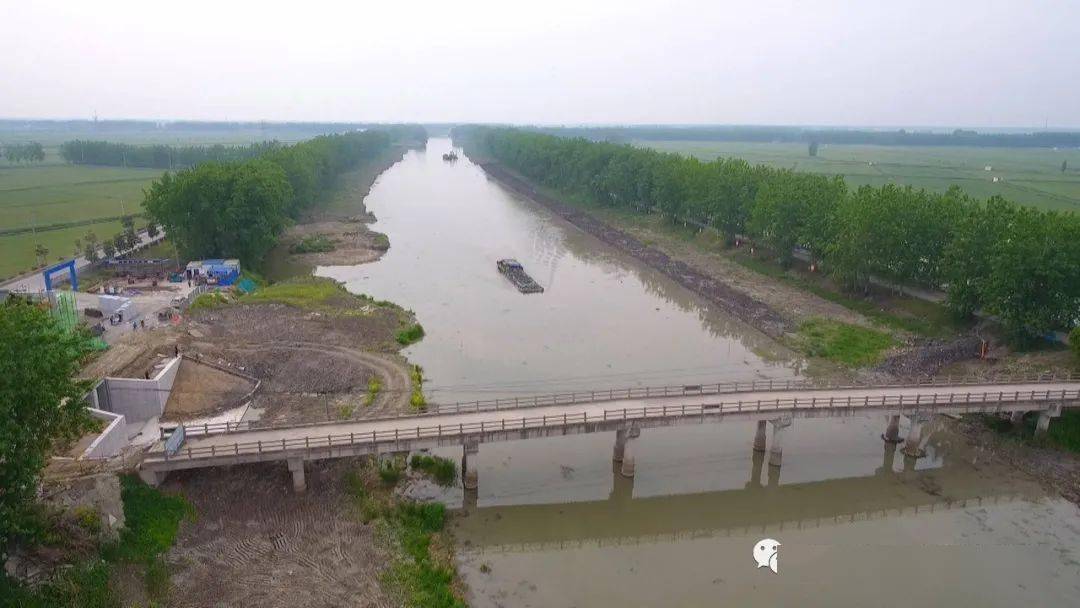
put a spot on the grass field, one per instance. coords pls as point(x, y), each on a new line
point(1025, 176)
point(52, 192)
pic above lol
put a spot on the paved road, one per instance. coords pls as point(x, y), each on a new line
point(274, 442)
point(35, 282)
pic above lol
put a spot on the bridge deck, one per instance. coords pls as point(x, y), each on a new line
point(411, 432)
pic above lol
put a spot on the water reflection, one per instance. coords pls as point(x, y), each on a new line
point(761, 505)
point(955, 528)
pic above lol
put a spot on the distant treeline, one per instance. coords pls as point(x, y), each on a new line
point(901, 137)
point(157, 156)
point(1018, 263)
point(238, 209)
point(179, 126)
point(160, 156)
point(28, 152)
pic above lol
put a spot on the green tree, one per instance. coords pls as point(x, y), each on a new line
point(41, 252)
point(813, 148)
point(109, 248)
point(1074, 342)
point(152, 229)
point(1018, 264)
point(40, 402)
point(796, 210)
point(91, 247)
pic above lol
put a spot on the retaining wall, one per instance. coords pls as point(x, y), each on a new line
point(111, 440)
point(140, 400)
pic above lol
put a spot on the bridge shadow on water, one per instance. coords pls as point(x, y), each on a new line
point(763, 506)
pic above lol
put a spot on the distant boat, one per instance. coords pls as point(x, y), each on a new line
point(513, 270)
point(450, 156)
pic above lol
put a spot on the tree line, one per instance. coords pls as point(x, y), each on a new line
point(157, 156)
point(29, 152)
point(763, 134)
point(163, 156)
point(1017, 263)
point(239, 208)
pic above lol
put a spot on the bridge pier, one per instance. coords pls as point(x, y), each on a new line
point(620, 445)
point(1043, 424)
point(913, 442)
point(776, 450)
point(892, 431)
point(1016, 418)
point(890, 458)
point(469, 476)
point(757, 460)
point(759, 437)
point(622, 488)
point(470, 500)
point(627, 468)
point(152, 478)
point(296, 467)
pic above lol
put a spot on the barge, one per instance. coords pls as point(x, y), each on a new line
point(513, 270)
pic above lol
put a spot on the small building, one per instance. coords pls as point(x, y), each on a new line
point(213, 272)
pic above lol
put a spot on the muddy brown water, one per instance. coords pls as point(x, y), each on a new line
point(554, 525)
point(604, 320)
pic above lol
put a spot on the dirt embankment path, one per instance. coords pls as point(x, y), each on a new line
point(734, 302)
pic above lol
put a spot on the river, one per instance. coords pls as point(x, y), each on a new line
point(553, 525)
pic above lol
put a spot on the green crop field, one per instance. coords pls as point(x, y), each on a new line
point(1030, 176)
point(37, 195)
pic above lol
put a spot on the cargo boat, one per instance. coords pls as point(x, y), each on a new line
point(513, 270)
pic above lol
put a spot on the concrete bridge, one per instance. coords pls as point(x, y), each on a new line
point(626, 413)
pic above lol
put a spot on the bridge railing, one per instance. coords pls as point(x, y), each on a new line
point(645, 392)
point(977, 401)
point(718, 388)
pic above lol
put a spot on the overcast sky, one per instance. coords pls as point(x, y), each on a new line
point(819, 62)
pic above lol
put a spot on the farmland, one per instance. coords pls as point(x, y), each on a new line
point(54, 193)
point(1028, 176)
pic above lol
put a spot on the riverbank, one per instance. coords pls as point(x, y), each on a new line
point(793, 311)
point(748, 309)
point(320, 354)
point(336, 232)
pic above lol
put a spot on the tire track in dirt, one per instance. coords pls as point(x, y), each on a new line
point(393, 374)
point(256, 543)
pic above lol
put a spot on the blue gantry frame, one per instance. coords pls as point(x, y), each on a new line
point(70, 265)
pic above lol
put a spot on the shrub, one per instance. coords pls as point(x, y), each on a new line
point(410, 334)
point(373, 388)
point(389, 473)
point(208, 300)
point(442, 470)
point(87, 518)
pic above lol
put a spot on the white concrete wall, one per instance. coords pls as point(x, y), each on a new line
point(140, 400)
point(111, 440)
